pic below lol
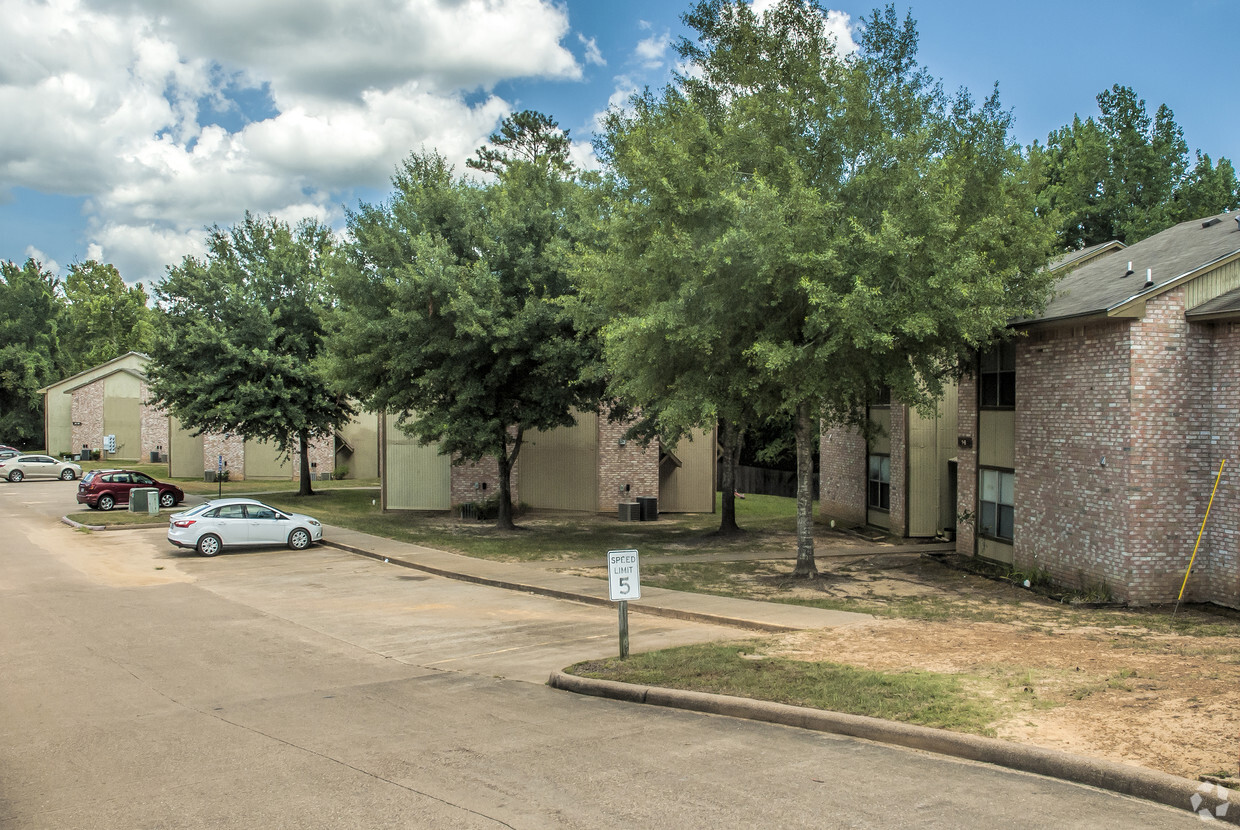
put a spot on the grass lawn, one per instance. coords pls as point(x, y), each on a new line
point(742, 670)
point(550, 535)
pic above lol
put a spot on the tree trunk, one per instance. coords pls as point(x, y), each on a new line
point(303, 438)
point(732, 438)
point(507, 460)
point(804, 431)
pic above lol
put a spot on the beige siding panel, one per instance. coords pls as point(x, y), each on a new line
point(690, 488)
point(880, 416)
point(122, 414)
point(417, 477)
point(931, 445)
point(1211, 285)
point(58, 417)
point(559, 469)
point(996, 442)
point(995, 550)
point(263, 460)
point(362, 433)
point(185, 453)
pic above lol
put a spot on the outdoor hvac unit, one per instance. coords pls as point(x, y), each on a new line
point(630, 511)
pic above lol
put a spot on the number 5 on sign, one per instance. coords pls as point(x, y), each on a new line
point(623, 575)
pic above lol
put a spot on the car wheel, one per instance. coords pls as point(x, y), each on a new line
point(16, 475)
point(167, 500)
point(106, 502)
point(299, 539)
point(209, 545)
point(67, 475)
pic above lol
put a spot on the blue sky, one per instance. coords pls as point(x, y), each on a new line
point(131, 127)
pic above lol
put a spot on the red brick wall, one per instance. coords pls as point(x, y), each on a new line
point(86, 413)
point(1216, 573)
point(232, 448)
point(467, 481)
point(899, 469)
point(1072, 412)
point(842, 474)
point(624, 472)
point(154, 428)
point(966, 465)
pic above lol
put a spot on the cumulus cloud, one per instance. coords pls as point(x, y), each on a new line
point(38, 256)
point(593, 54)
point(838, 24)
point(650, 52)
point(121, 101)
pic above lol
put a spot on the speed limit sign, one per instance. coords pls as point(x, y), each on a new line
point(623, 575)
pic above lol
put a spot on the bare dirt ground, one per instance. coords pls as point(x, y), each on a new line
point(1133, 686)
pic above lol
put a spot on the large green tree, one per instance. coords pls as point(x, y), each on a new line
point(31, 308)
point(104, 318)
point(830, 223)
point(241, 345)
point(1125, 175)
point(453, 313)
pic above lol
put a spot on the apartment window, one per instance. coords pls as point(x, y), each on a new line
point(998, 377)
point(878, 495)
point(998, 504)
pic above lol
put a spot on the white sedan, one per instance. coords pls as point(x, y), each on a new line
point(38, 466)
point(225, 523)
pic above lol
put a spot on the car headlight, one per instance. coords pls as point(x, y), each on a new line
point(313, 522)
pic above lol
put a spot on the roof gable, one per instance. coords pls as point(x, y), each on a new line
point(1109, 284)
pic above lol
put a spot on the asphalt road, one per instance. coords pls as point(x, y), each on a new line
point(145, 687)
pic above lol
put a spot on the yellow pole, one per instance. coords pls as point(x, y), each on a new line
point(1199, 532)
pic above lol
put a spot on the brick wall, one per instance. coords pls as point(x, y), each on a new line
point(626, 471)
point(1073, 454)
point(966, 464)
point(899, 469)
point(842, 474)
point(322, 455)
point(478, 481)
point(1216, 573)
point(233, 450)
point(1170, 449)
point(87, 416)
point(154, 425)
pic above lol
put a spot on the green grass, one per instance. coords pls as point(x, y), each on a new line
point(738, 669)
point(544, 536)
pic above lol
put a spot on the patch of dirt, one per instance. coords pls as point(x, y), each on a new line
point(1132, 686)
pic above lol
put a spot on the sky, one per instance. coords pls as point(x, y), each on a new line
point(129, 127)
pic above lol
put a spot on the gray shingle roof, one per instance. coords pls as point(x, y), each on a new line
point(1066, 260)
point(1224, 305)
point(1098, 286)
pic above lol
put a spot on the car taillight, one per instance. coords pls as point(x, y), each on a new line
point(184, 523)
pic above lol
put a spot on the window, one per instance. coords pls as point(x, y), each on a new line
point(998, 514)
point(255, 511)
point(878, 493)
point(998, 377)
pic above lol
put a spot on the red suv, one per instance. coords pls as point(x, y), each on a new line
point(104, 489)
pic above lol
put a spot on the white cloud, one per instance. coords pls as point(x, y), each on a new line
point(593, 54)
point(838, 24)
point(102, 99)
point(38, 256)
point(618, 100)
point(650, 51)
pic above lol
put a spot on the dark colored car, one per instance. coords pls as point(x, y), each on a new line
point(105, 489)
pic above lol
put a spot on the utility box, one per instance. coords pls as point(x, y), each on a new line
point(144, 500)
point(630, 511)
point(649, 508)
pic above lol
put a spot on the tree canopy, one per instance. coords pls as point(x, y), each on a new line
point(30, 353)
point(104, 318)
point(813, 226)
point(452, 313)
point(1125, 175)
point(243, 336)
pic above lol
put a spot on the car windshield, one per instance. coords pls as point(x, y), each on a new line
point(194, 511)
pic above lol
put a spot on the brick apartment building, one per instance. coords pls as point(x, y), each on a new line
point(1088, 447)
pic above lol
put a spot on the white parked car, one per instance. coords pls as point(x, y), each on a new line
point(30, 465)
point(230, 523)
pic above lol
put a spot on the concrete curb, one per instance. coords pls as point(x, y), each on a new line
point(1137, 782)
point(79, 525)
point(540, 590)
point(144, 526)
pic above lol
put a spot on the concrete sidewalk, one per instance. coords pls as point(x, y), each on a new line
point(742, 613)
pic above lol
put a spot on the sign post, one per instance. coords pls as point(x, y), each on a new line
point(219, 477)
point(623, 583)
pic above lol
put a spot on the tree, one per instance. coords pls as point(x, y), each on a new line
point(30, 355)
point(241, 345)
point(104, 318)
point(832, 223)
point(453, 312)
point(1125, 176)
